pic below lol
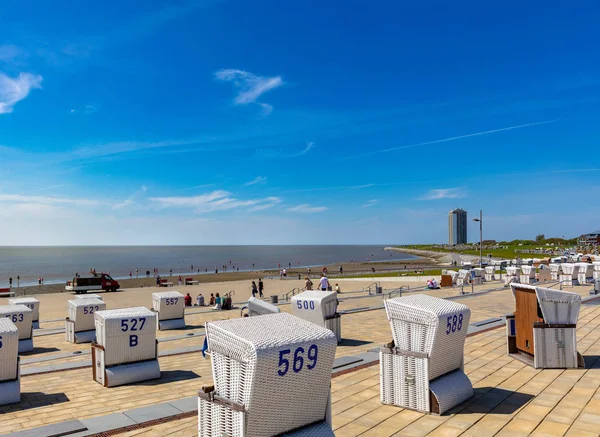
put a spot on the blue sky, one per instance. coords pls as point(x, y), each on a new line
point(230, 122)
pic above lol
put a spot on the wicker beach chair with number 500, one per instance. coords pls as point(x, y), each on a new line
point(422, 369)
point(319, 307)
point(272, 377)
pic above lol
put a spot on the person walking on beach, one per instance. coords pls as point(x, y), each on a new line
point(341, 270)
point(261, 287)
point(179, 281)
point(158, 281)
point(10, 282)
point(284, 271)
point(308, 284)
point(39, 280)
point(254, 289)
point(18, 281)
point(137, 273)
point(323, 283)
point(170, 272)
point(130, 274)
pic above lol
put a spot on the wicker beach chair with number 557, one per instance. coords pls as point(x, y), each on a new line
point(422, 369)
point(271, 377)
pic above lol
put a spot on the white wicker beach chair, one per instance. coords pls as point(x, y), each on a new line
point(569, 273)
point(512, 275)
point(555, 271)
point(585, 273)
point(257, 307)
point(596, 267)
point(10, 381)
point(527, 274)
point(319, 307)
point(463, 277)
point(490, 273)
point(170, 306)
point(125, 350)
point(544, 335)
point(33, 304)
point(80, 326)
point(271, 374)
point(22, 317)
point(422, 368)
point(88, 296)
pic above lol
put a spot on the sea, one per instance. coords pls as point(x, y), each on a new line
point(58, 264)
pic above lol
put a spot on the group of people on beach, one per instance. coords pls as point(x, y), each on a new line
point(324, 284)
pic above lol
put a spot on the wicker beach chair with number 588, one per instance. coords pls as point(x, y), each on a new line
point(422, 369)
point(271, 377)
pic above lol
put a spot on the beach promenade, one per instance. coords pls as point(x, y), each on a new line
point(510, 399)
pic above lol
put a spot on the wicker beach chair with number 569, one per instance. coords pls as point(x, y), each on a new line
point(271, 377)
point(422, 369)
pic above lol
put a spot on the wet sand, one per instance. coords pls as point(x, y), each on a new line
point(333, 269)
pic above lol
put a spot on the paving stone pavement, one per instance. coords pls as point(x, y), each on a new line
point(511, 398)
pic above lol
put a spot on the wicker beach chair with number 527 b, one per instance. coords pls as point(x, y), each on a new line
point(271, 377)
point(422, 369)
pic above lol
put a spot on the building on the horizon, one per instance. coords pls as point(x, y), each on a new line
point(457, 226)
point(592, 239)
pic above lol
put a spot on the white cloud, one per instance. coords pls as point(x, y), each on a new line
point(87, 109)
point(9, 52)
point(251, 87)
point(132, 199)
point(257, 180)
point(444, 140)
point(444, 193)
point(307, 209)
point(309, 145)
point(42, 200)
point(218, 200)
point(370, 203)
point(15, 90)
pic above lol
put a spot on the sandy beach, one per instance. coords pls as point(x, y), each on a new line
point(223, 277)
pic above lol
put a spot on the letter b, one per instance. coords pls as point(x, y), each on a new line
point(133, 340)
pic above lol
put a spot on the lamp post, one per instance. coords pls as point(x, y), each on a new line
point(480, 220)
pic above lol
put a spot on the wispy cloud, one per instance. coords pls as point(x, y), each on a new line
point(131, 199)
point(444, 140)
point(346, 187)
point(15, 90)
point(307, 209)
point(43, 200)
point(370, 203)
point(309, 145)
point(444, 193)
point(257, 180)
point(9, 53)
point(250, 86)
point(87, 109)
point(218, 200)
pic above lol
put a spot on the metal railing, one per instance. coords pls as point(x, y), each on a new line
point(293, 291)
point(397, 291)
point(369, 288)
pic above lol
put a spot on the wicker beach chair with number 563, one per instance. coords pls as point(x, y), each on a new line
point(422, 369)
point(271, 377)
